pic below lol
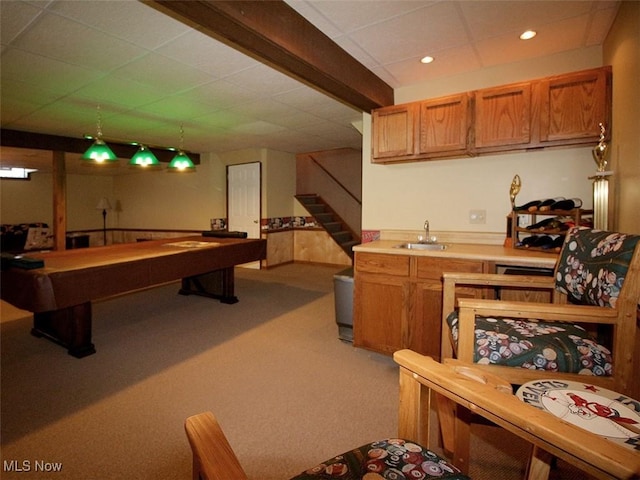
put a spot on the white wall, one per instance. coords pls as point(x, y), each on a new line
point(402, 196)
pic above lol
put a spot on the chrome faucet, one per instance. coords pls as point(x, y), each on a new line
point(427, 235)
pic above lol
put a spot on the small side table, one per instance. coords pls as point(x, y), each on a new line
point(77, 240)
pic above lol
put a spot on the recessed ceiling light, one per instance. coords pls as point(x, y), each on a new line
point(426, 59)
point(529, 34)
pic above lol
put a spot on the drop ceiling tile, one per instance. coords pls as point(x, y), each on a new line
point(601, 22)
point(133, 21)
point(160, 72)
point(204, 53)
point(175, 108)
point(58, 38)
point(447, 62)
point(31, 69)
point(445, 30)
point(14, 18)
point(487, 19)
point(564, 35)
point(263, 80)
point(119, 91)
point(220, 94)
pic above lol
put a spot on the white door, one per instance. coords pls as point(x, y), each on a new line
point(243, 200)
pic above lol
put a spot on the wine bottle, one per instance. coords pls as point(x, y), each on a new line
point(546, 205)
point(546, 224)
point(568, 204)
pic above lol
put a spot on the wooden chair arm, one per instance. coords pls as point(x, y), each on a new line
point(541, 311)
point(421, 375)
point(213, 457)
point(497, 280)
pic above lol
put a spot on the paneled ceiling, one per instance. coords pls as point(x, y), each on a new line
point(150, 74)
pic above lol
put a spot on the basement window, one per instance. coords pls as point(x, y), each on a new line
point(16, 173)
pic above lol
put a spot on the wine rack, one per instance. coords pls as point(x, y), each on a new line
point(566, 219)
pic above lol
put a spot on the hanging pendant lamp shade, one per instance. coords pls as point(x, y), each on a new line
point(99, 152)
point(144, 158)
point(181, 162)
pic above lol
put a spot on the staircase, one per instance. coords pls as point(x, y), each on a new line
point(330, 221)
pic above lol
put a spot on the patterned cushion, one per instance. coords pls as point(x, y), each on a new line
point(392, 459)
point(593, 264)
point(528, 343)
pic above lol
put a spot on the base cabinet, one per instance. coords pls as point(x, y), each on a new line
point(398, 301)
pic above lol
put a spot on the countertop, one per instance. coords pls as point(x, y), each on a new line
point(493, 253)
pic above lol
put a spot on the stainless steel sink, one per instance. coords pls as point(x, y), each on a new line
point(422, 246)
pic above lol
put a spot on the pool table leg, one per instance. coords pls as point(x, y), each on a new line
point(218, 284)
point(69, 327)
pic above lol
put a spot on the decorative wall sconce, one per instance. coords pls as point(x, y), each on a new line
point(181, 162)
point(99, 151)
point(601, 184)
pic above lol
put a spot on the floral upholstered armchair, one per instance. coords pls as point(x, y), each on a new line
point(589, 329)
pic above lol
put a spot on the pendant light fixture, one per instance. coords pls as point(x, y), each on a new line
point(181, 162)
point(144, 158)
point(99, 152)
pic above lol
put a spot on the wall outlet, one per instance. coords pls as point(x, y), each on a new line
point(477, 216)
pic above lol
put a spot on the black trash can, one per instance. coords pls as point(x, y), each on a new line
point(343, 289)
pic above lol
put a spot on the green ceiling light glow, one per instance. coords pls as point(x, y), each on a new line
point(99, 152)
point(181, 162)
point(144, 158)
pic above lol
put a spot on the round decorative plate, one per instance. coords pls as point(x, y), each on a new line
point(595, 409)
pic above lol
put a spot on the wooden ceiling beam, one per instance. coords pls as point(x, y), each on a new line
point(275, 34)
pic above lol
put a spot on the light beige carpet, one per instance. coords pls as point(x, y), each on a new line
point(287, 392)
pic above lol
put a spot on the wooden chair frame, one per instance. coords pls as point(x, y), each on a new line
point(422, 381)
point(623, 319)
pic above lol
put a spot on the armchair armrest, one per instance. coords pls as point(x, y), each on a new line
point(421, 376)
point(452, 280)
point(469, 308)
point(213, 457)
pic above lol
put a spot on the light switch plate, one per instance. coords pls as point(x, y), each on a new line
point(477, 216)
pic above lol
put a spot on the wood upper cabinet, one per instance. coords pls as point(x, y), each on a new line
point(553, 111)
point(430, 129)
point(503, 117)
point(573, 106)
point(394, 132)
point(444, 126)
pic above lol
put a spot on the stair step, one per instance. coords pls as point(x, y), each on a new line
point(307, 199)
point(314, 208)
point(324, 217)
point(342, 237)
point(333, 227)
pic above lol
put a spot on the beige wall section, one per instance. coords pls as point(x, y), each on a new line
point(402, 196)
point(32, 201)
point(152, 199)
point(279, 181)
point(622, 52)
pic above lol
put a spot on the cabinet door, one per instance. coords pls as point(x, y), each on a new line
point(380, 312)
point(503, 116)
point(393, 132)
point(574, 105)
point(381, 296)
point(425, 322)
point(444, 125)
